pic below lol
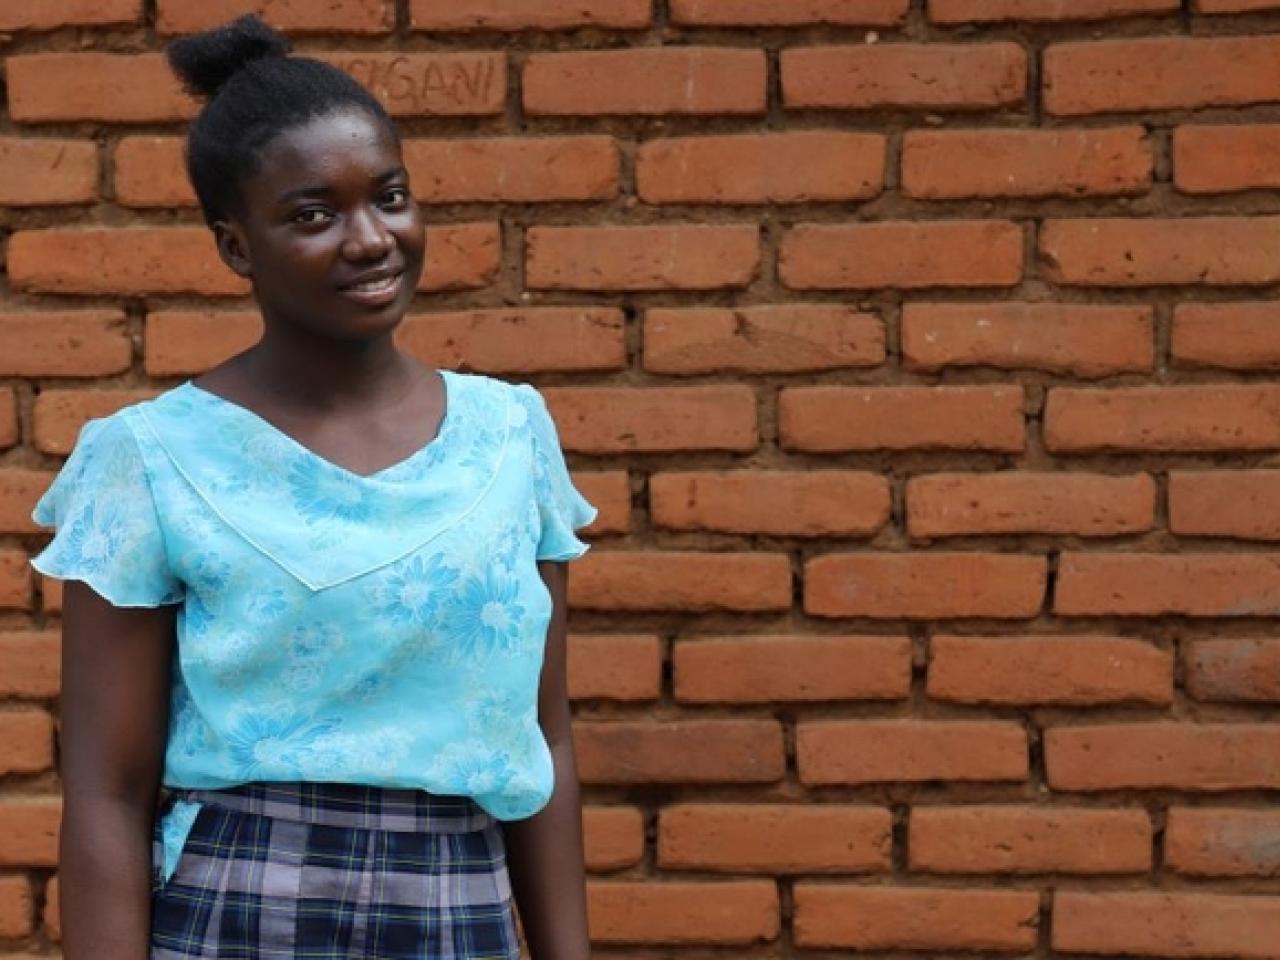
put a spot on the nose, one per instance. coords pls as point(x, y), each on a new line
point(367, 237)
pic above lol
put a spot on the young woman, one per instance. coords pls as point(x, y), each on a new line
point(317, 593)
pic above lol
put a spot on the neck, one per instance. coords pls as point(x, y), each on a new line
point(320, 374)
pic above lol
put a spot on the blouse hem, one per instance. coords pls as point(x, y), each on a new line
point(50, 570)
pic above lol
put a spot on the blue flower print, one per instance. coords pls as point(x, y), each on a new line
point(209, 573)
point(268, 605)
point(274, 740)
point(485, 615)
point(472, 770)
point(315, 639)
point(410, 592)
point(322, 494)
point(96, 538)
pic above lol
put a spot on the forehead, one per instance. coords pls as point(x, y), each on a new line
point(325, 151)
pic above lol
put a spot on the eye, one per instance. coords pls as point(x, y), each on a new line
point(396, 197)
point(312, 216)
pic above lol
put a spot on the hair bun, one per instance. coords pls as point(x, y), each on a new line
point(204, 62)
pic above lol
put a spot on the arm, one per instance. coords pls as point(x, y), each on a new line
point(114, 722)
point(545, 851)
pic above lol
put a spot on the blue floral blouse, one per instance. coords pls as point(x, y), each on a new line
point(384, 629)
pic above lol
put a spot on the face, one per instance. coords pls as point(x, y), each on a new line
point(329, 234)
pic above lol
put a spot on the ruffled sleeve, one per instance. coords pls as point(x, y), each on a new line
point(107, 531)
point(561, 508)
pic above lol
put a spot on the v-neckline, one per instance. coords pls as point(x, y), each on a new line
point(448, 392)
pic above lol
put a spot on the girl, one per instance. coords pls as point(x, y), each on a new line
point(317, 593)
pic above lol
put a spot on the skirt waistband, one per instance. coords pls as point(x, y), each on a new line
point(357, 806)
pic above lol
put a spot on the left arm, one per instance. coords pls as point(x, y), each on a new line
point(544, 852)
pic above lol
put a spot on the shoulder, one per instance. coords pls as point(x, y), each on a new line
point(521, 399)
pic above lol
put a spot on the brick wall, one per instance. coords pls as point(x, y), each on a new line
point(918, 355)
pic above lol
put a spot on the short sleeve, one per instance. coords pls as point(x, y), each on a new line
point(561, 508)
point(107, 532)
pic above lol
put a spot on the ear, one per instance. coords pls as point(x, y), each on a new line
point(233, 247)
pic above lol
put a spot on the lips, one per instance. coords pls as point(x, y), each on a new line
point(375, 288)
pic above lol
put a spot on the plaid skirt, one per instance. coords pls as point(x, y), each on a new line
point(326, 871)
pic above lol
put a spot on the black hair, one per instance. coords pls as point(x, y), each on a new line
point(253, 90)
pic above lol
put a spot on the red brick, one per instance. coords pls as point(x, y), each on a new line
point(932, 76)
point(613, 837)
point(131, 262)
point(649, 81)
point(1176, 419)
point(1218, 842)
point(30, 664)
point(1166, 924)
point(438, 84)
point(1008, 501)
point(15, 580)
point(1157, 584)
point(17, 907)
point(770, 13)
point(957, 164)
point(115, 88)
point(513, 169)
point(29, 826)
point(679, 751)
point(1234, 6)
point(1066, 669)
point(1237, 336)
point(1077, 340)
point(991, 11)
point(1116, 252)
point(919, 918)
point(47, 171)
point(1163, 755)
point(1225, 503)
point(909, 751)
point(660, 257)
point(51, 14)
point(443, 15)
point(831, 419)
point(461, 256)
point(798, 167)
point(788, 338)
point(1226, 158)
point(151, 172)
point(1239, 669)
point(677, 580)
point(779, 669)
point(925, 586)
point(610, 492)
point(774, 502)
point(1000, 838)
point(191, 341)
point(615, 667)
point(350, 16)
point(67, 343)
point(515, 340)
point(730, 913)
point(59, 414)
point(19, 491)
point(904, 256)
point(8, 417)
point(603, 420)
point(775, 838)
point(52, 911)
point(1160, 73)
point(26, 743)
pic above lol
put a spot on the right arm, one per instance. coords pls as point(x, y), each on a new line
point(116, 665)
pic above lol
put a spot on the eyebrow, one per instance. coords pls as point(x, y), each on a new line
point(321, 190)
